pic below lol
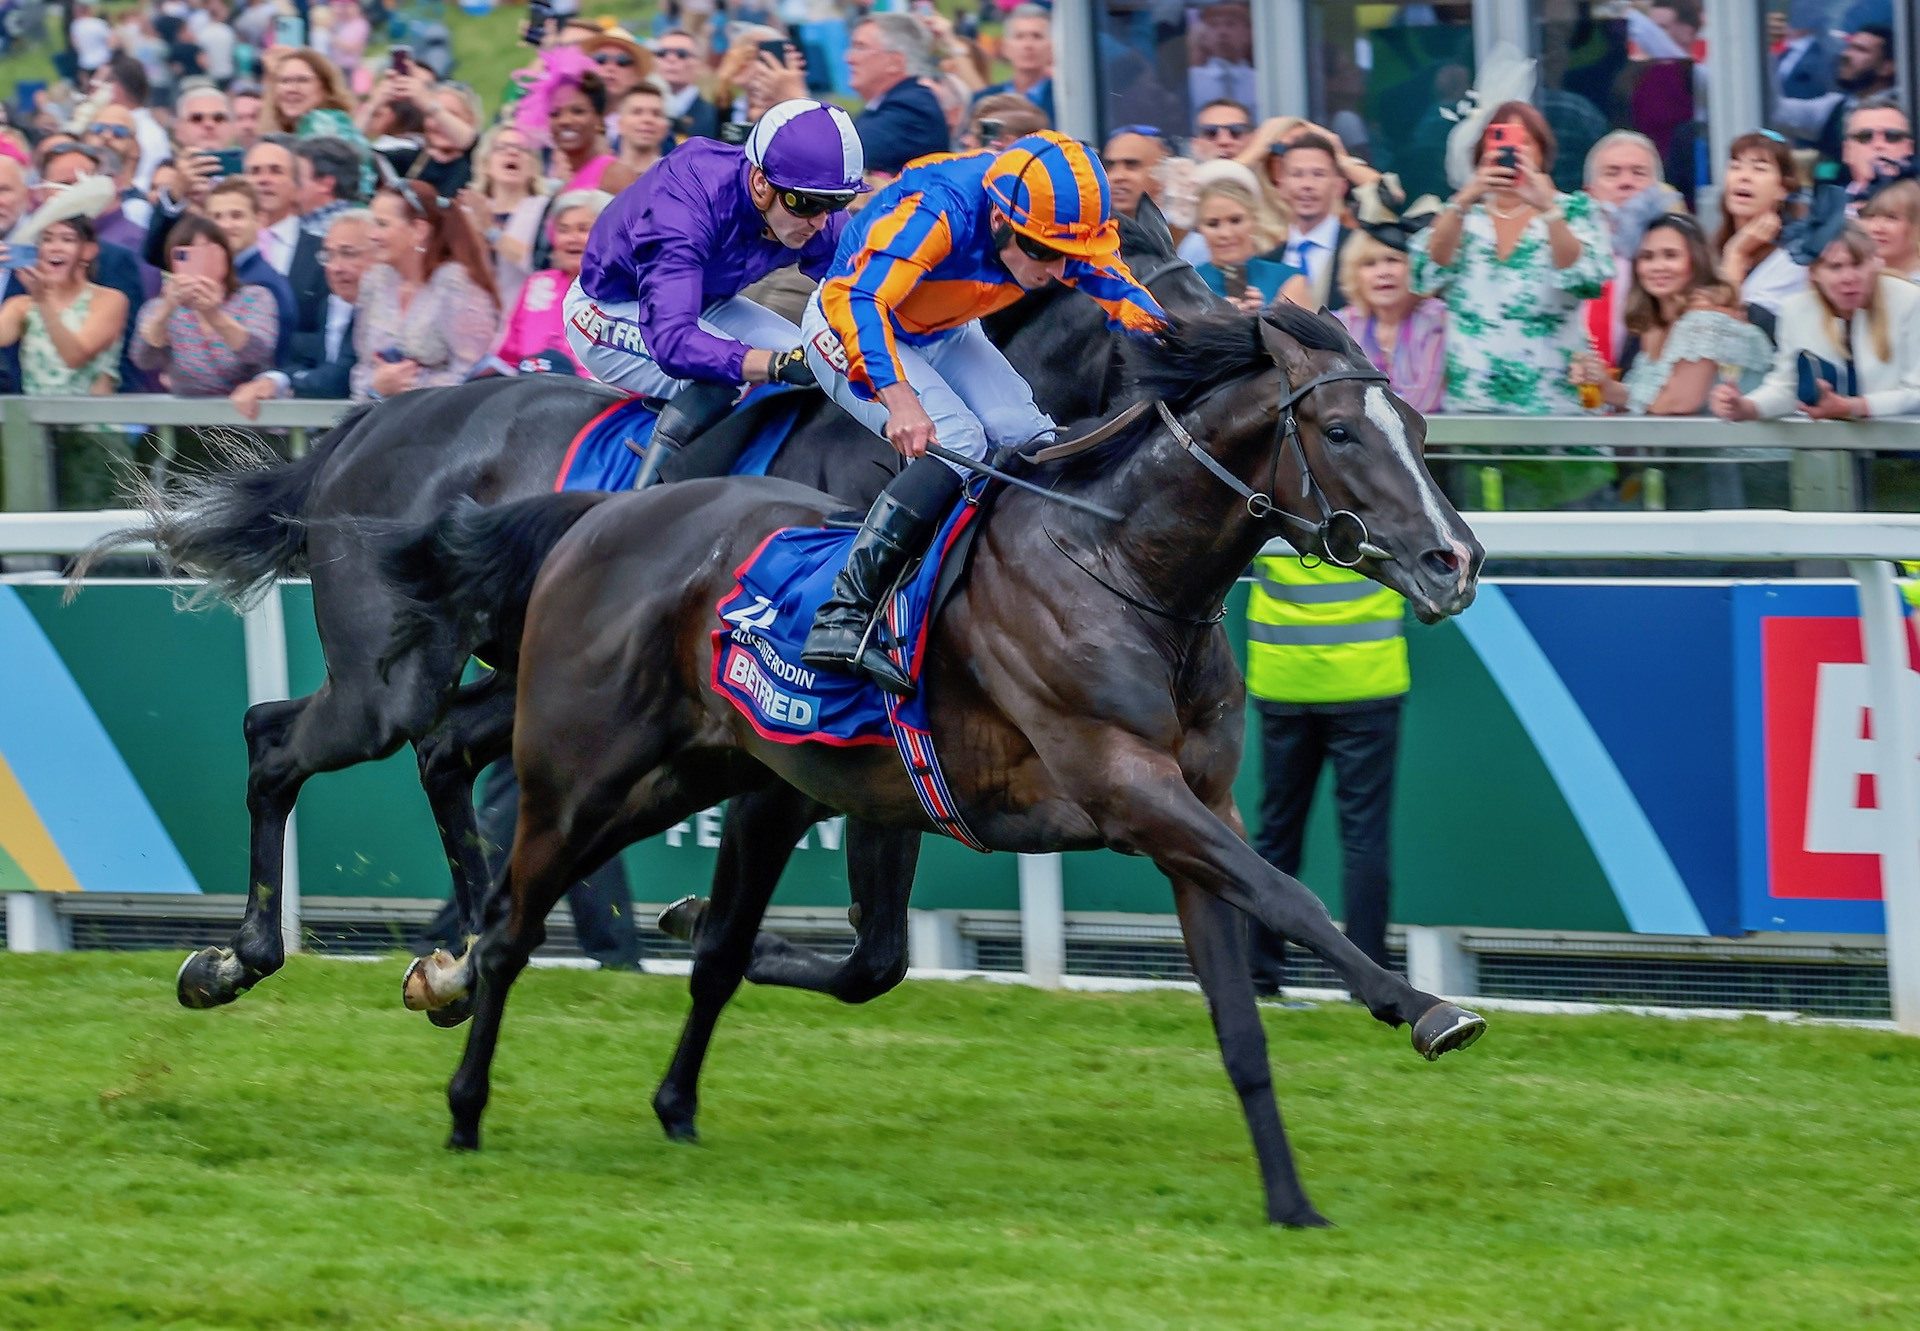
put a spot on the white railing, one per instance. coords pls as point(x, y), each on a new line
point(1819, 454)
point(1867, 543)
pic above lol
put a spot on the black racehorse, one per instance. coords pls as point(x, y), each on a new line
point(414, 456)
point(1081, 686)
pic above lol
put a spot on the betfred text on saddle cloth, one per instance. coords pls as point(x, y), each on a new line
point(757, 666)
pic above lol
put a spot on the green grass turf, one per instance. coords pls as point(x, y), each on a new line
point(957, 1155)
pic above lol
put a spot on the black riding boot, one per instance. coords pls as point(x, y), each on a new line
point(899, 525)
point(689, 414)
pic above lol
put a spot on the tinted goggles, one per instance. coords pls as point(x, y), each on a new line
point(802, 204)
point(1036, 251)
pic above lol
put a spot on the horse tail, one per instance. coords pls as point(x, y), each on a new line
point(472, 569)
point(239, 527)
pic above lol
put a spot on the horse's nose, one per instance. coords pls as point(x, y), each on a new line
point(1443, 565)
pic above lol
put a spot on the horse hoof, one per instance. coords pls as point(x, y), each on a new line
point(680, 919)
point(414, 994)
point(211, 977)
point(453, 1014)
point(464, 1139)
point(1445, 1027)
point(684, 1133)
point(1306, 1218)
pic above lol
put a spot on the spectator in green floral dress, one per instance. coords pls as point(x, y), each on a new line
point(305, 96)
point(69, 329)
point(1514, 260)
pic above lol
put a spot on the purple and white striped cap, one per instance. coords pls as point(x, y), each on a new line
point(808, 146)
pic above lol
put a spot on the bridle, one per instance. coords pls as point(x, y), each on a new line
point(1321, 535)
point(1341, 536)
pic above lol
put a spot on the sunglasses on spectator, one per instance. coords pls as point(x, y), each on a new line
point(802, 204)
point(1237, 129)
point(620, 58)
point(675, 52)
point(111, 131)
point(1884, 135)
point(989, 130)
point(328, 254)
point(208, 118)
point(1036, 251)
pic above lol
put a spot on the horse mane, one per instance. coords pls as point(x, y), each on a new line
point(1198, 353)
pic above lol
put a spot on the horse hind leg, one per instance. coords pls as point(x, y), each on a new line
point(756, 841)
point(880, 867)
point(287, 741)
point(554, 844)
point(477, 730)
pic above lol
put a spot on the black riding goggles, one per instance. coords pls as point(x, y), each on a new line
point(802, 204)
point(1036, 251)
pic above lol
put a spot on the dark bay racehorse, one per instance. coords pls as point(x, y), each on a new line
point(414, 456)
point(1082, 690)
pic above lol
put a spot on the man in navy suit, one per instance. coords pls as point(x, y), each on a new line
point(235, 209)
point(319, 366)
point(887, 58)
point(1804, 67)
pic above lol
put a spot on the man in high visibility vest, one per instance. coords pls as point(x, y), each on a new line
point(1327, 667)
point(1910, 584)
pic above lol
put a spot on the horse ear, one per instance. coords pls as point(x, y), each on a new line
point(1286, 350)
point(1154, 222)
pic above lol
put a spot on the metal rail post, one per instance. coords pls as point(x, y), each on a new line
point(264, 635)
point(24, 461)
point(1895, 691)
point(1043, 920)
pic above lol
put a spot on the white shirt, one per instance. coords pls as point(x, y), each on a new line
point(154, 146)
point(92, 42)
point(339, 315)
point(1891, 387)
point(277, 243)
point(1317, 261)
point(1773, 281)
point(216, 42)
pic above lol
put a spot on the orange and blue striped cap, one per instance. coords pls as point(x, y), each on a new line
point(1054, 190)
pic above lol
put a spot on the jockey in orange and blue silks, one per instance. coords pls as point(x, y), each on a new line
point(893, 335)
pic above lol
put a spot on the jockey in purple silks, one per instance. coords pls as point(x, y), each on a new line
point(657, 308)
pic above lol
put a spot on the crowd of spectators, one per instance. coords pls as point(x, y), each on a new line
point(230, 201)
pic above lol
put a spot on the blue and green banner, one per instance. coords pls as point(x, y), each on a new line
point(1652, 757)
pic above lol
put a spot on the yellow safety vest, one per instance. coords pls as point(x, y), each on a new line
point(1910, 585)
point(1323, 634)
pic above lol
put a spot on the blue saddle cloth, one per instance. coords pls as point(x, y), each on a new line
point(605, 454)
point(763, 625)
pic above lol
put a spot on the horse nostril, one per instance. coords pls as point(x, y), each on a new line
point(1441, 563)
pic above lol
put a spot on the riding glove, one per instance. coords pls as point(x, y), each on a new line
point(790, 367)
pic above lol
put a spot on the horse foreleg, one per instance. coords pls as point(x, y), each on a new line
point(756, 841)
point(1217, 947)
point(880, 867)
point(1143, 806)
